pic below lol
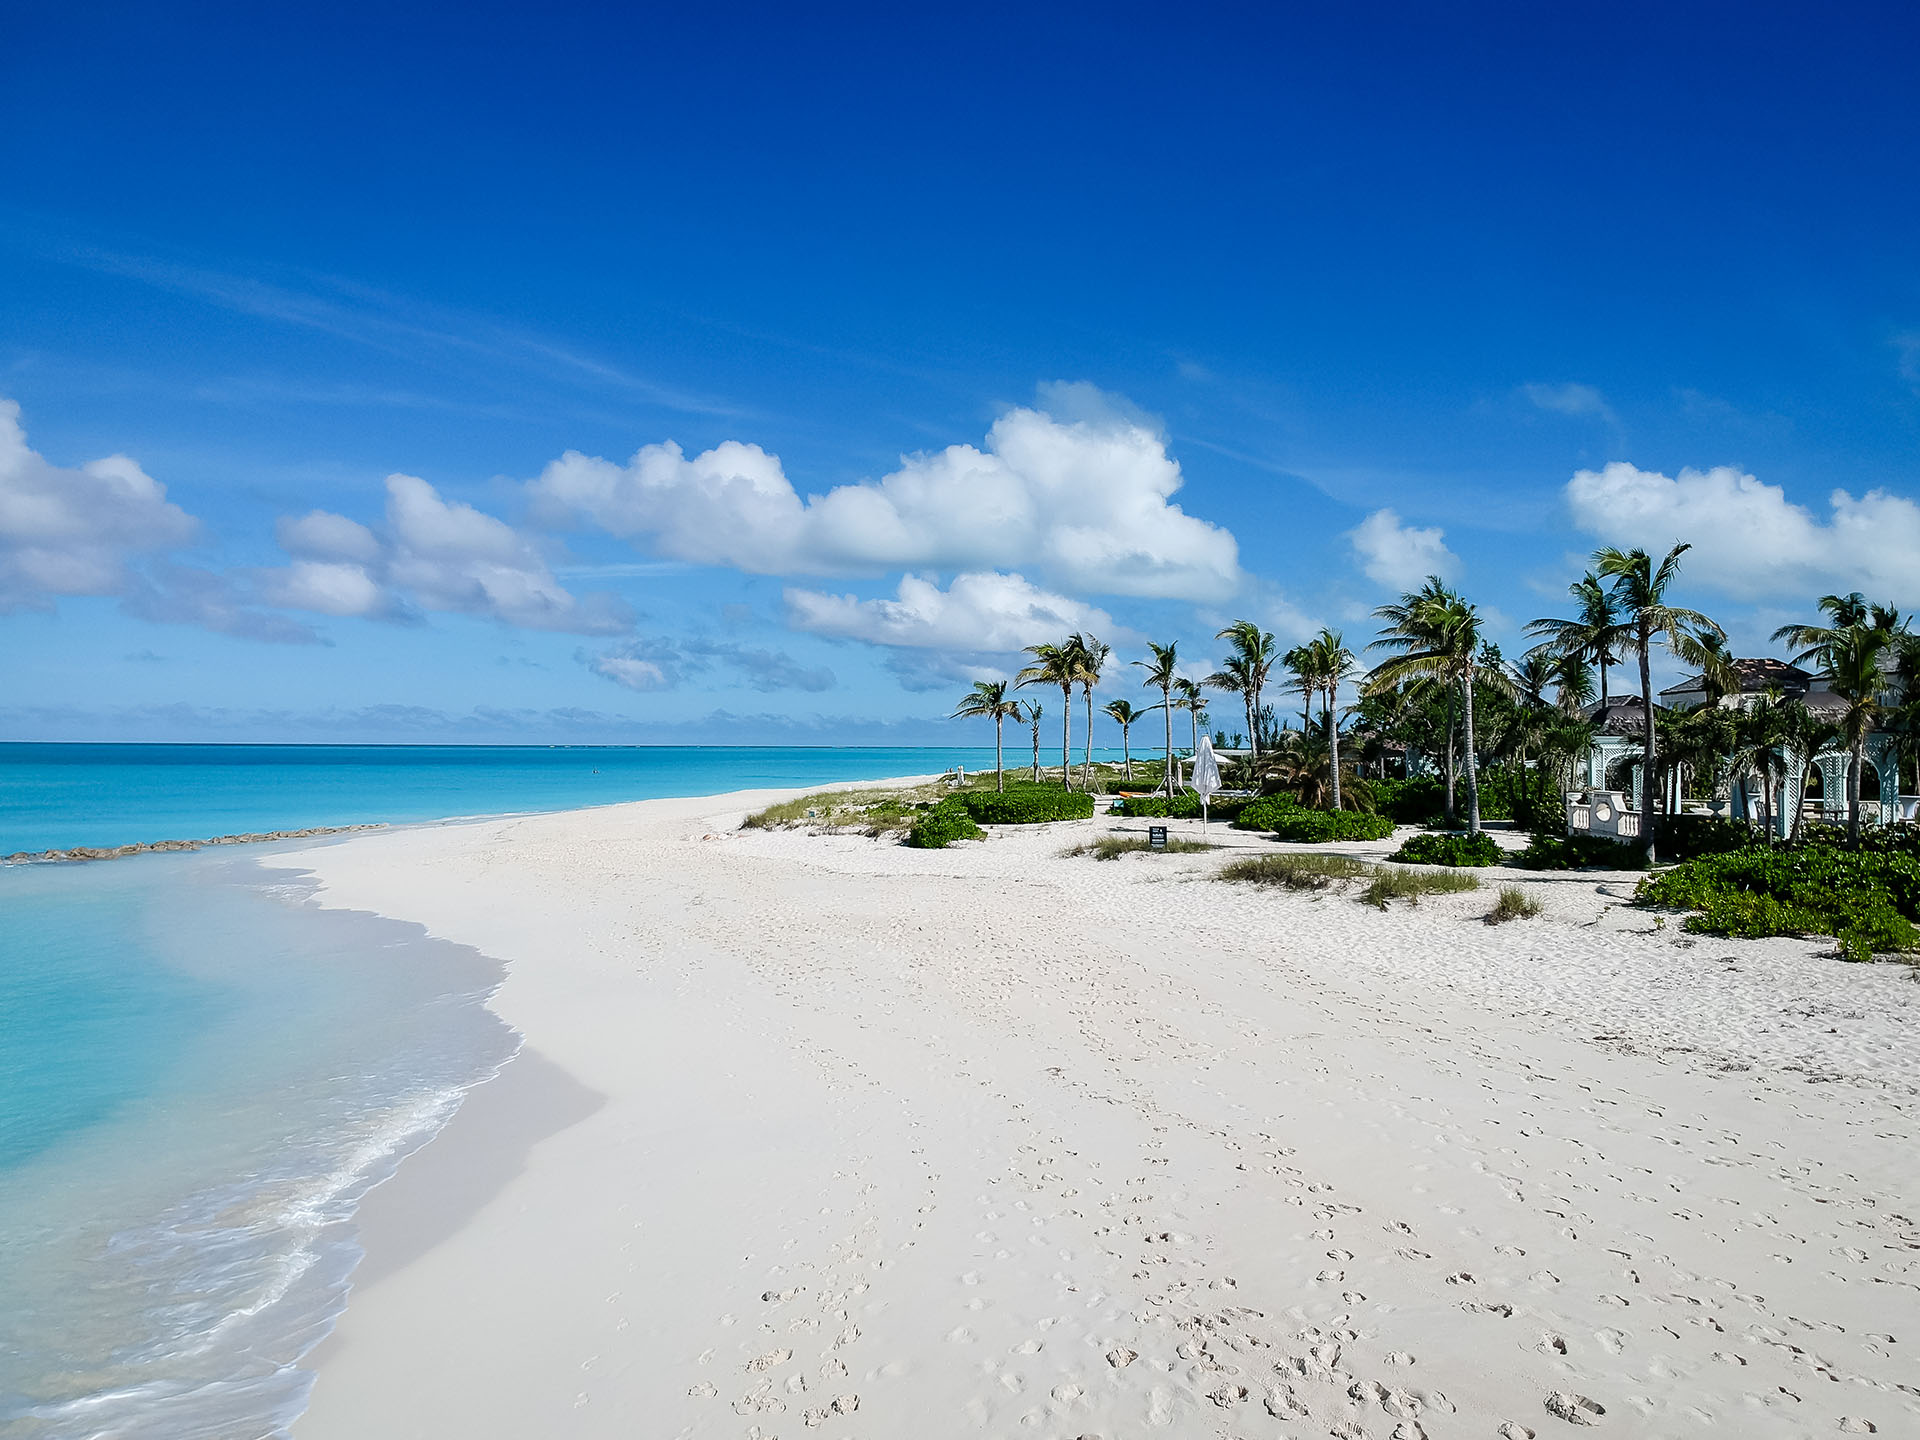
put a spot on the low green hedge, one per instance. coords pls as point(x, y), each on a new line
point(942, 825)
point(1025, 805)
point(1264, 813)
point(1449, 849)
point(1687, 837)
point(1181, 807)
point(1317, 827)
point(1867, 900)
point(1418, 801)
point(1580, 852)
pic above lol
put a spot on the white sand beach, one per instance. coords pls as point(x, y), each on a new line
point(824, 1136)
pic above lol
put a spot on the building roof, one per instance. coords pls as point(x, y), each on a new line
point(1626, 714)
point(1759, 673)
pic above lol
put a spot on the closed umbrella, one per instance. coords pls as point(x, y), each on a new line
point(1206, 776)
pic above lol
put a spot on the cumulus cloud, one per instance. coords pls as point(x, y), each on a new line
point(435, 554)
point(1570, 399)
point(980, 613)
point(1399, 555)
point(73, 531)
point(1749, 540)
point(1083, 498)
point(661, 664)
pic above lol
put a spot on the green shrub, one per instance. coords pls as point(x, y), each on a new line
point(1687, 837)
point(1181, 807)
point(1530, 798)
point(1449, 849)
point(942, 825)
point(1867, 900)
point(1513, 904)
point(1900, 838)
point(1580, 852)
point(1025, 805)
point(1265, 813)
point(1296, 872)
point(1419, 801)
point(1316, 827)
point(1390, 882)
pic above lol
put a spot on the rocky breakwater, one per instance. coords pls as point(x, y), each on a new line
point(90, 852)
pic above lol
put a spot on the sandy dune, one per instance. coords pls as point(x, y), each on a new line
point(822, 1136)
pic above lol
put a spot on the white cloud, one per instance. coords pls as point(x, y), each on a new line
point(1749, 540)
point(981, 613)
point(1571, 399)
point(635, 665)
point(661, 664)
point(1084, 501)
point(1398, 555)
point(72, 532)
point(437, 555)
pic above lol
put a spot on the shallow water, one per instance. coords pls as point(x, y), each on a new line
point(201, 1073)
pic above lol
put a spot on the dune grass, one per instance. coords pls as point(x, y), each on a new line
point(1297, 872)
point(1391, 882)
point(1513, 904)
point(1112, 847)
point(870, 812)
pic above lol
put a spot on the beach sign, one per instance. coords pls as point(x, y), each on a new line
point(1156, 837)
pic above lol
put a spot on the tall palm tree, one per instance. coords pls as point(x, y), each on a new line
point(1759, 738)
point(1191, 700)
point(1034, 711)
point(1331, 665)
point(1596, 633)
point(1089, 659)
point(1851, 649)
point(1056, 665)
point(1437, 635)
point(1640, 593)
point(1299, 662)
point(1572, 681)
point(1161, 677)
point(1803, 735)
point(1530, 678)
point(1122, 713)
point(1406, 618)
point(988, 701)
point(1708, 654)
point(1256, 651)
point(1234, 677)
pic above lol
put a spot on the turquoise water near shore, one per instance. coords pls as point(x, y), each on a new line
point(59, 796)
point(202, 1072)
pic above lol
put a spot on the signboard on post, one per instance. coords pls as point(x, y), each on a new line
point(1156, 837)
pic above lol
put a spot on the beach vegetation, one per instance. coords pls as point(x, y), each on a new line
point(1513, 904)
point(1254, 653)
point(872, 812)
point(939, 827)
point(1112, 847)
point(1866, 896)
point(1162, 676)
point(1579, 852)
point(1025, 804)
point(1474, 848)
point(1300, 826)
point(1296, 872)
point(1391, 882)
point(988, 701)
point(1185, 806)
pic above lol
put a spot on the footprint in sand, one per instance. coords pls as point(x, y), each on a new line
point(1574, 1409)
point(1511, 1431)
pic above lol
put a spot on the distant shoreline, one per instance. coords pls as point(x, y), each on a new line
point(118, 852)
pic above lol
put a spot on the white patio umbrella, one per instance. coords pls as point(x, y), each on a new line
point(1206, 776)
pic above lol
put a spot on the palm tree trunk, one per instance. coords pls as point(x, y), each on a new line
point(1036, 752)
point(1649, 784)
point(1126, 750)
point(1450, 758)
point(1086, 768)
point(1333, 746)
point(1473, 768)
point(1066, 736)
point(1166, 706)
point(999, 753)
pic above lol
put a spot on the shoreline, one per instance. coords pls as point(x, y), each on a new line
point(814, 1097)
point(75, 854)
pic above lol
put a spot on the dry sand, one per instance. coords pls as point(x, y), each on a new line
point(824, 1136)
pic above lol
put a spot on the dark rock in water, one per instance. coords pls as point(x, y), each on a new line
point(89, 852)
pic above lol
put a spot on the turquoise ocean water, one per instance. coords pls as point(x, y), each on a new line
point(201, 1072)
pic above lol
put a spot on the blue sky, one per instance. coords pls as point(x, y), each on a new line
point(1239, 312)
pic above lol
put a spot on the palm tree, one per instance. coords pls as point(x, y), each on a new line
point(1089, 657)
point(1123, 714)
point(1640, 593)
point(1034, 711)
point(1803, 735)
point(1709, 655)
point(1256, 651)
point(1194, 703)
point(1530, 678)
point(1437, 635)
point(1759, 736)
point(1299, 661)
point(1234, 678)
point(988, 701)
point(1572, 682)
point(1331, 664)
point(1848, 650)
point(1596, 634)
point(1161, 677)
point(1055, 665)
